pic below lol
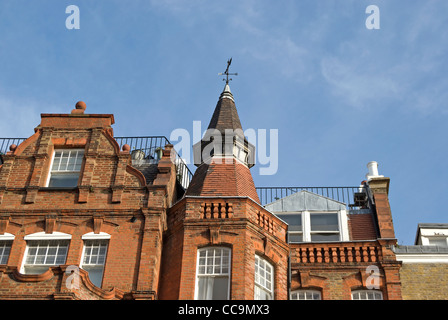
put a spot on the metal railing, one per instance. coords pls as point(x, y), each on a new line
point(5, 143)
point(353, 197)
point(149, 148)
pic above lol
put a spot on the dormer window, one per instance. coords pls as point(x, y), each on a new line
point(65, 168)
point(240, 153)
point(306, 226)
point(438, 241)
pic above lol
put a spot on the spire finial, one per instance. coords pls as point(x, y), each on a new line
point(226, 73)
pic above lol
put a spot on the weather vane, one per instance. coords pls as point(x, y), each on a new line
point(226, 73)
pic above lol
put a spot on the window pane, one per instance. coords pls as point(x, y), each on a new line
point(213, 288)
point(305, 294)
point(50, 260)
point(295, 237)
point(367, 295)
point(213, 271)
point(5, 248)
point(45, 252)
point(63, 180)
point(39, 260)
point(262, 294)
point(325, 237)
point(324, 222)
point(95, 275)
point(35, 269)
point(95, 252)
point(60, 259)
point(441, 242)
point(201, 288)
point(67, 160)
point(263, 279)
point(213, 261)
point(220, 288)
point(293, 220)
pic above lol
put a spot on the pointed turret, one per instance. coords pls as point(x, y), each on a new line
point(224, 155)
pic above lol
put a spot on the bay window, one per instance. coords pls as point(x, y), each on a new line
point(316, 226)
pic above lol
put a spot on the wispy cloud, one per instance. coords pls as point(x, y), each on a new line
point(402, 66)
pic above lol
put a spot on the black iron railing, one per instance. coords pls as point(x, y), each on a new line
point(352, 197)
point(148, 147)
point(5, 143)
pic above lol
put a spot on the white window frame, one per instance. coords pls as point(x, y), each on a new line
point(311, 232)
point(88, 237)
point(64, 172)
point(306, 224)
point(290, 233)
point(441, 238)
point(307, 294)
point(365, 294)
point(207, 274)
point(260, 280)
point(42, 236)
point(5, 239)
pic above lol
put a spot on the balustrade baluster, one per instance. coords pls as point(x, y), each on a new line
point(342, 254)
point(311, 255)
point(350, 254)
point(357, 255)
point(326, 255)
point(365, 256)
point(319, 255)
point(372, 254)
point(208, 213)
point(304, 259)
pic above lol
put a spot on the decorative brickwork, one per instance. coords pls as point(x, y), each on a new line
point(112, 197)
point(337, 269)
point(191, 226)
point(154, 237)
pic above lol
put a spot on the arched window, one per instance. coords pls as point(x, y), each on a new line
point(6, 240)
point(264, 279)
point(94, 255)
point(306, 295)
point(367, 295)
point(44, 250)
point(213, 273)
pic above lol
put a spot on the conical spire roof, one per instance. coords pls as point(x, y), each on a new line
point(219, 176)
point(225, 115)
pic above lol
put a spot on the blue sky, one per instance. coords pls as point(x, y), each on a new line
point(339, 94)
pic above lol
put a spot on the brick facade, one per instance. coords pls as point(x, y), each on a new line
point(242, 225)
point(155, 232)
point(424, 281)
point(111, 197)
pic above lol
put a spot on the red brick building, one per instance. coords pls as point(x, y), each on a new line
point(83, 216)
